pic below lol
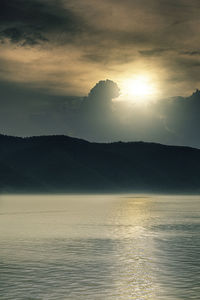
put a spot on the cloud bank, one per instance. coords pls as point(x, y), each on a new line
point(98, 117)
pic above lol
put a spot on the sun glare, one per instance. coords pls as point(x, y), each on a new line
point(138, 89)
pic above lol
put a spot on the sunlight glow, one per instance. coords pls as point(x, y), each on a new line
point(139, 89)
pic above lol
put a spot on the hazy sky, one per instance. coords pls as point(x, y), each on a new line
point(52, 52)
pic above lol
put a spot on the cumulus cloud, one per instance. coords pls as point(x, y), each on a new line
point(101, 95)
point(181, 117)
point(97, 117)
point(170, 120)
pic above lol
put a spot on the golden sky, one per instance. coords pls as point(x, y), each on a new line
point(65, 47)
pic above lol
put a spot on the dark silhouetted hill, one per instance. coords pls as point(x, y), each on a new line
point(59, 164)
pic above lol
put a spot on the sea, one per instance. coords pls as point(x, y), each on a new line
point(99, 247)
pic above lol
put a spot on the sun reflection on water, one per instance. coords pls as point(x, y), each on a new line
point(134, 250)
point(99, 247)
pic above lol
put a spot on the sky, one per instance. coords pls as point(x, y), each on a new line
point(53, 53)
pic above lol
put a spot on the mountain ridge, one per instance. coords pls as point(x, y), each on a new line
point(62, 164)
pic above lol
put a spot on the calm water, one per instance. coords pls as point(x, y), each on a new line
point(99, 247)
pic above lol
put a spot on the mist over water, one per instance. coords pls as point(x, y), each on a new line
point(99, 247)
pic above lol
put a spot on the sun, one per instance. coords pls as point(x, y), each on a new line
point(139, 89)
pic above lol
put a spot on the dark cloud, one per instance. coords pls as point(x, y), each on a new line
point(101, 28)
point(35, 21)
point(38, 20)
point(109, 57)
point(191, 53)
point(22, 36)
point(154, 52)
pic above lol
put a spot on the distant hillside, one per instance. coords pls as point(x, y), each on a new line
point(65, 164)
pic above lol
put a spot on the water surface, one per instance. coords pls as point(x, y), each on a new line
point(99, 247)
